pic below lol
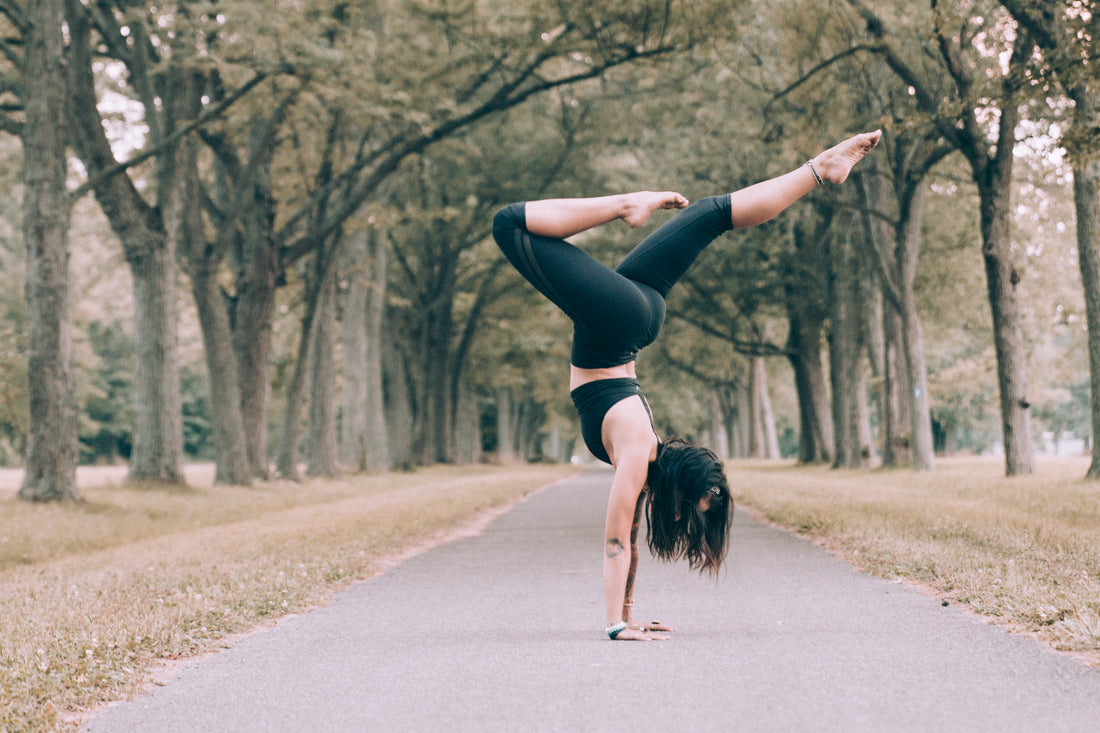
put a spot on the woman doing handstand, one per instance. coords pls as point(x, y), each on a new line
point(617, 312)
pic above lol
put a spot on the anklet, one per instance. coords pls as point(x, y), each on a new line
point(615, 629)
point(813, 170)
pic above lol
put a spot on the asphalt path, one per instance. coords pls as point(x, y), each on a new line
point(504, 632)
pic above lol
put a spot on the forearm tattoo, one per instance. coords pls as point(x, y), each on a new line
point(614, 547)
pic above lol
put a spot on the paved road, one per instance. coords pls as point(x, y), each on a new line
point(504, 632)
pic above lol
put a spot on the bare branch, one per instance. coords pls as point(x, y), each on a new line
point(208, 115)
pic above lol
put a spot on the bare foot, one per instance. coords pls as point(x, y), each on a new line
point(837, 162)
point(641, 204)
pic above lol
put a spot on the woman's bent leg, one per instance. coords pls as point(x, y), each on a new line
point(562, 218)
point(587, 290)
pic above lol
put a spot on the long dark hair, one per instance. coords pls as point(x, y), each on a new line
point(681, 475)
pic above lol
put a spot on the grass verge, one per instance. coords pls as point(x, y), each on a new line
point(92, 597)
point(1021, 551)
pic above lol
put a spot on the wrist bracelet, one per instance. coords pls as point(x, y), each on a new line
point(813, 170)
point(615, 629)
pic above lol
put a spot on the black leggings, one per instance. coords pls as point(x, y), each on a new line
point(614, 312)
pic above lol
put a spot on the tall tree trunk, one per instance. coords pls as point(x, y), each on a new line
point(845, 348)
point(908, 423)
point(158, 407)
point(805, 305)
point(468, 435)
point(438, 417)
point(287, 462)
point(158, 411)
point(1001, 280)
point(399, 425)
point(897, 442)
point(816, 428)
point(765, 438)
point(1086, 197)
point(227, 423)
point(355, 299)
point(258, 271)
point(51, 441)
point(506, 426)
point(920, 410)
point(875, 326)
point(720, 440)
point(150, 253)
point(379, 457)
point(322, 413)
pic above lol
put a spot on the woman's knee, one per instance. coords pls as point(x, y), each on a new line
point(507, 221)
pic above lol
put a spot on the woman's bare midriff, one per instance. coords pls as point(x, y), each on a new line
point(578, 376)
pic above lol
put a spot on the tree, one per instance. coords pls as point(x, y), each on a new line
point(150, 232)
point(452, 69)
point(1067, 34)
point(364, 440)
point(52, 440)
point(959, 77)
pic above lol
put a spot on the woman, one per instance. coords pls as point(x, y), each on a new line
point(617, 312)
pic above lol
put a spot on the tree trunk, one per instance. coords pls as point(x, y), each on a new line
point(287, 463)
point(765, 438)
point(720, 440)
point(150, 253)
point(875, 326)
point(1086, 196)
point(845, 348)
point(258, 271)
point(227, 423)
point(364, 439)
point(815, 419)
point(397, 402)
point(379, 457)
point(52, 438)
point(354, 438)
point(322, 414)
point(158, 410)
point(920, 411)
point(506, 426)
point(1001, 280)
point(897, 439)
point(468, 435)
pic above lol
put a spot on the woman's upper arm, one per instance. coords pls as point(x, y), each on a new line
point(626, 487)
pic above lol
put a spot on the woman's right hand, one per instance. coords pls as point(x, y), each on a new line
point(632, 634)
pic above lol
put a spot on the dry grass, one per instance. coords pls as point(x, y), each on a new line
point(92, 596)
point(1023, 551)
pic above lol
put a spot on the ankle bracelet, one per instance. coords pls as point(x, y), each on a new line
point(615, 629)
point(813, 170)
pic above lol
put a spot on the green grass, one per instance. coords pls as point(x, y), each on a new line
point(93, 596)
point(1022, 551)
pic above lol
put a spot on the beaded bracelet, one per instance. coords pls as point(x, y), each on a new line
point(813, 170)
point(616, 629)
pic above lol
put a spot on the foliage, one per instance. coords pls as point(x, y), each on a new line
point(107, 420)
point(405, 107)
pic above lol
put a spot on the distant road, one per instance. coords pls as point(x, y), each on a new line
point(504, 632)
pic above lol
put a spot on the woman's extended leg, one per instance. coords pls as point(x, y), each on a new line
point(762, 201)
point(562, 218)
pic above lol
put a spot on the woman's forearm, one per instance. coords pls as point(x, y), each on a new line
point(616, 571)
point(628, 594)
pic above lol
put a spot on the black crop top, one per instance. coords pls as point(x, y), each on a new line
point(594, 399)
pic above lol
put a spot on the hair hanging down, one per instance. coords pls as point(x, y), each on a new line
point(680, 477)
